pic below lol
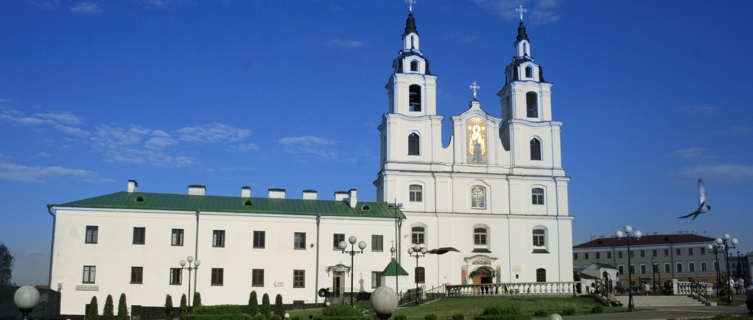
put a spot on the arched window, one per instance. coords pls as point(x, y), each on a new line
point(414, 144)
point(420, 275)
point(535, 149)
point(539, 237)
point(414, 97)
point(529, 72)
point(417, 235)
point(479, 236)
point(532, 104)
point(540, 275)
point(414, 65)
point(537, 196)
point(415, 193)
point(478, 197)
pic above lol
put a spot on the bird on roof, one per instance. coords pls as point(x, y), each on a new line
point(703, 207)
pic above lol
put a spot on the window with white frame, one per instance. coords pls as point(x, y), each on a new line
point(703, 267)
point(415, 193)
point(539, 237)
point(376, 279)
point(417, 235)
point(92, 233)
point(537, 196)
point(667, 268)
point(478, 197)
point(90, 274)
point(479, 236)
point(414, 144)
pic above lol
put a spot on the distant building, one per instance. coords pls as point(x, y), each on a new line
point(741, 265)
point(676, 256)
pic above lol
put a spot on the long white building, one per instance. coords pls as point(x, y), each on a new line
point(497, 193)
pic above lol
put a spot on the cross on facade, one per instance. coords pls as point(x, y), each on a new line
point(475, 88)
point(520, 11)
point(410, 4)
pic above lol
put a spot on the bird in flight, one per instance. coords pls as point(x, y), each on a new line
point(703, 207)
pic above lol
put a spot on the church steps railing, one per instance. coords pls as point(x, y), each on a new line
point(512, 289)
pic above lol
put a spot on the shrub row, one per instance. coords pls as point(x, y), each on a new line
point(92, 309)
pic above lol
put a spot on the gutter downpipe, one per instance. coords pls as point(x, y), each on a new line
point(196, 254)
point(52, 244)
point(316, 285)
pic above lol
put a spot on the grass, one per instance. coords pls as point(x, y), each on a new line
point(722, 302)
point(725, 318)
point(445, 308)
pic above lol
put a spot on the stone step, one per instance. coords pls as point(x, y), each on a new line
point(660, 301)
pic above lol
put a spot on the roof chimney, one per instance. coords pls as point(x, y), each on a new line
point(309, 194)
point(340, 195)
point(246, 192)
point(197, 190)
point(132, 186)
point(276, 193)
point(353, 197)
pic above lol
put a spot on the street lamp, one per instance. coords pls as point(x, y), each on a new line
point(26, 298)
point(653, 274)
point(417, 252)
point(628, 234)
point(729, 243)
point(192, 265)
point(398, 223)
point(352, 252)
point(716, 246)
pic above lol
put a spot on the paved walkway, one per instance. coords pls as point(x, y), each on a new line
point(660, 313)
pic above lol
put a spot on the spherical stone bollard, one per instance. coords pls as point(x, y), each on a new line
point(555, 316)
point(384, 301)
point(26, 298)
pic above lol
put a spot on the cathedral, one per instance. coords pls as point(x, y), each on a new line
point(490, 207)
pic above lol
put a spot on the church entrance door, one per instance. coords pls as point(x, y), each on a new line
point(482, 275)
point(338, 283)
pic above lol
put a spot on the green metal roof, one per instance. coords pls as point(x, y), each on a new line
point(184, 202)
point(392, 267)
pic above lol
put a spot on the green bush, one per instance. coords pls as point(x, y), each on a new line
point(253, 304)
point(458, 316)
point(168, 307)
point(218, 309)
point(122, 307)
point(597, 309)
point(502, 313)
point(196, 299)
point(230, 316)
point(399, 317)
point(540, 313)
point(108, 313)
point(297, 318)
point(430, 317)
point(265, 310)
point(279, 309)
point(568, 312)
point(183, 307)
point(275, 317)
point(332, 311)
point(259, 316)
point(92, 313)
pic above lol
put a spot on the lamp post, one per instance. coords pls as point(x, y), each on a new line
point(653, 275)
point(192, 265)
point(398, 222)
point(417, 252)
point(26, 298)
point(716, 246)
point(628, 234)
point(352, 252)
point(729, 243)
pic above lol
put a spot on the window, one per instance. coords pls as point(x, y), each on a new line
point(653, 253)
point(677, 252)
point(643, 269)
point(620, 269)
point(257, 277)
point(619, 254)
point(479, 236)
point(177, 238)
point(643, 253)
point(575, 256)
point(535, 149)
point(376, 279)
point(691, 267)
point(91, 234)
point(414, 97)
point(690, 251)
point(632, 269)
point(703, 267)
point(415, 193)
point(299, 278)
point(666, 252)
point(336, 239)
point(420, 275)
point(667, 268)
point(679, 268)
point(137, 275)
point(478, 197)
point(217, 274)
point(529, 72)
point(299, 241)
point(175, 276)
point(259, 239)
point(414, 144)
point(532, 105)
point(537, 196)
point(609, 254)
point(703, 250)
point(598, 255)
point(90, 273)
point(413, 64)
point(377, 243)
point(218, 238)
point(139, 235)
point(586, 254)
point(538, 239)
point(540, 275)
point(417, 235)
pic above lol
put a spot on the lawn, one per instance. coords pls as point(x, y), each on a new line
point(445, 308)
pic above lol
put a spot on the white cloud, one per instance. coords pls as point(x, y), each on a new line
point(346, 43)
point(692, 153)
point(212, 133)
point(718, 172)
point(159, 140)
point(312, 145)
point(38, 174)
point(86, 7)
point(243, 147)
point(139, 156)
point(62, 122)
point(63, 117)
point(539, 11)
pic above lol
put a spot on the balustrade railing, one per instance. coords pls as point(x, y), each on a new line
point(512, 289)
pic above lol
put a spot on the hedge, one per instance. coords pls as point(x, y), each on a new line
point(223, 316)
point(218, 309)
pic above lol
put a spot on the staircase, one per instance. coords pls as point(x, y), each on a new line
point(660, 301)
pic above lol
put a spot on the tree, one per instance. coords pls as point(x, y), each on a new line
point(122, 308)
point(168, 307)
point(265, 306)
point(92, 313)
point(6, 263)
point(279, 309)
point(183, 307)
point(108, 314)
point(196, 299)
point(253, 304)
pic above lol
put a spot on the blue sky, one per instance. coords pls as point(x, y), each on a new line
point(653, 95)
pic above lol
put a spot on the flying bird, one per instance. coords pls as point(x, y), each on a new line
point(703, 207)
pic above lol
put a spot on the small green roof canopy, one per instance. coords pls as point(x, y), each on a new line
point(392, 267)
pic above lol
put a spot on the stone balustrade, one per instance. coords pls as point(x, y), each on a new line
point(691, 288)
point(512, 289)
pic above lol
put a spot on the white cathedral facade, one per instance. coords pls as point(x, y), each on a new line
point(497, 193)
